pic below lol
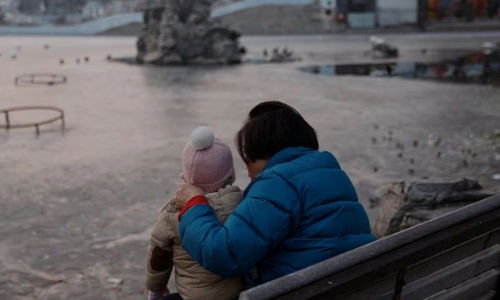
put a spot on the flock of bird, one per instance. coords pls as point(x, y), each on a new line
point(62, 61)
point(277, 54)
point(435, 142)
point(86, 59)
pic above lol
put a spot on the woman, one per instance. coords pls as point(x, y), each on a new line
point(299, 209)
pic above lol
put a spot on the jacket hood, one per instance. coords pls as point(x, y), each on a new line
point(225, 201)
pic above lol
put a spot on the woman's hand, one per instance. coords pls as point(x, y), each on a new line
point(186, 192)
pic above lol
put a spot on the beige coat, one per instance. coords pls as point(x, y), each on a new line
point(165, 250)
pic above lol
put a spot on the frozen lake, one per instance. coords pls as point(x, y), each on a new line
point(77, 207)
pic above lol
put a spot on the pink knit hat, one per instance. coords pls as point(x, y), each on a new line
point(207, 162)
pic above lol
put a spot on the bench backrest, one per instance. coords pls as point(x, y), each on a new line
point(454, 256)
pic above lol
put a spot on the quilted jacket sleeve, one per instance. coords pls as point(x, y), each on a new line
point(159, 266)
point(159, 260)
point(255, 228)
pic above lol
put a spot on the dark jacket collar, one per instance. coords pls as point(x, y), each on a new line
point(286, 155)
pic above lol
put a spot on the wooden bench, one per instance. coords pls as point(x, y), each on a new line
point(455, 256)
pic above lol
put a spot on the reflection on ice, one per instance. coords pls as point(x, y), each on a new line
point(476, 67)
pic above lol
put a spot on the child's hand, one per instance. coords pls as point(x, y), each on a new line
point(154, 296)
point(158, 296)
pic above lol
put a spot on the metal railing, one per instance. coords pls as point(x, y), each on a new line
point(40, 78)
point(9, 125)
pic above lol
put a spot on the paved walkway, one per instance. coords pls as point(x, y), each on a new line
point(87, 28)
point(107, 23)
point(242, 5)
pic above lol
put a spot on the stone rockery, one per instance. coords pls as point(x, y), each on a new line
point(182, 32)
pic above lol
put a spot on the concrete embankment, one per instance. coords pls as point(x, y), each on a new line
point(249, 16)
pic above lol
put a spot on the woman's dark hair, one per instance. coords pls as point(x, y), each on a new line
point(272, 126)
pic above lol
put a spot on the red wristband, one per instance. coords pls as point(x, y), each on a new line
point(200, 199)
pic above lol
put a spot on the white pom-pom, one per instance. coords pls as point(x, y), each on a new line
point(202, 138)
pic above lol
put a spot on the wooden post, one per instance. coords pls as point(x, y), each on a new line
point(400, 282)
point(63, 122)
point(7, 120)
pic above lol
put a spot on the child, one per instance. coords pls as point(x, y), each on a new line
point(207, 163)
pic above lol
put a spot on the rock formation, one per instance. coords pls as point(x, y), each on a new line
point(405, 205)
point(181, 32)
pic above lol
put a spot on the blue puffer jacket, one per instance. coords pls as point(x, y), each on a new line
point(300, 210)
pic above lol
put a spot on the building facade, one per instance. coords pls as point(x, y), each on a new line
point(466, 10)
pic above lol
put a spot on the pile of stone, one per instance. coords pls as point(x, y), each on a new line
point(405, 205)
point(278, 55)
point(181, 32)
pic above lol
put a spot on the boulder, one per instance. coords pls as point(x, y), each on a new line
point(181, 31)
point(406, 205)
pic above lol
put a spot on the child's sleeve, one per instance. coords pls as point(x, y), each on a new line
point(160, 254)
point(159, 267)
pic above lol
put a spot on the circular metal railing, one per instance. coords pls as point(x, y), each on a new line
point(9, 125)
point(40, 78)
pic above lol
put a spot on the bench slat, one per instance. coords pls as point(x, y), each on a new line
point(384, 288)
point(471, 289)
point(452, 255)
point(379, 290)
point(489, 295)
point(454, 274)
